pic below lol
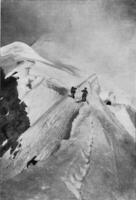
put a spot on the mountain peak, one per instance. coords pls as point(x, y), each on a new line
point(74, 144)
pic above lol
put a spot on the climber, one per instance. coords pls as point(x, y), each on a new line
point(84, 95)
point(33, 161)
point(29, 84)
point(73, 91)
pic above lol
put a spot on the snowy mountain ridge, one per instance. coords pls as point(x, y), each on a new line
point(77, 150)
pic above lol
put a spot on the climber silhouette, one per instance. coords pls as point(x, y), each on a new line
point(29, 84)
point(84, 94)
point(32, 161)
point(73, 91)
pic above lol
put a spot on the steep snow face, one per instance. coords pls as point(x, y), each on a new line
point(43, 137)
point(132, 114)
point(21, 51)
point(32, 66)
point(41, 82)
point(98, 160)
point(122, 115)
point(81, 150)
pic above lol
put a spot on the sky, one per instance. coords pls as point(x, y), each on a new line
point(26, 20)
point(96, 35)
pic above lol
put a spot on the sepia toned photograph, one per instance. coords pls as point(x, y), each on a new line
point(68, 100)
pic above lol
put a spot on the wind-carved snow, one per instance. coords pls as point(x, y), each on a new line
point(92, 147)
point(124, 118)
point(96, 137)
point(41, 83)
point(37, 86)
point(81, 142)
point(39, 92)
point(21, 51)
point(81, 145)
point(41, 98)
point(44, 136)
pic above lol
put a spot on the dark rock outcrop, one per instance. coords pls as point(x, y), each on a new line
point(13, 117)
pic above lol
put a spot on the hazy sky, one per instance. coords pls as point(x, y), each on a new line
point(26, 20)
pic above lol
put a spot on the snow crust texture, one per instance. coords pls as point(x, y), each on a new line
point(73, 150)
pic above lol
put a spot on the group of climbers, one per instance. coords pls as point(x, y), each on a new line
point(84, 93)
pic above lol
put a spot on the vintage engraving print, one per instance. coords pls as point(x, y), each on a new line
point(68, 100)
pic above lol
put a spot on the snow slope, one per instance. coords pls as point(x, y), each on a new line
point(21, 51)
point(96, 162)
point(42, 138)
point(41, 74)
point(122, 115)
point(81, 150)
